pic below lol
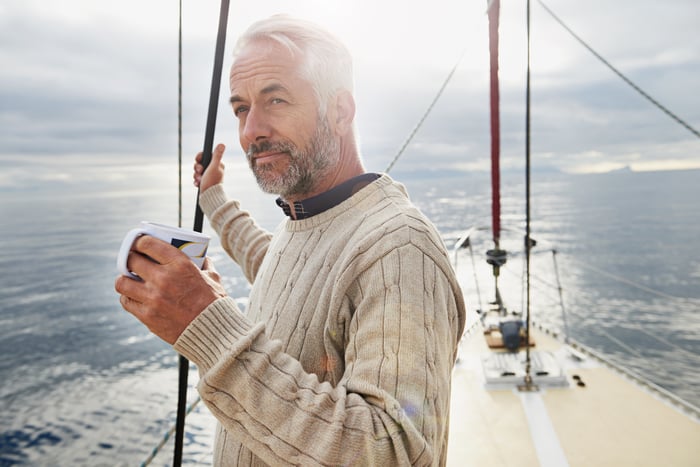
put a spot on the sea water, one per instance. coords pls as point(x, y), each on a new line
point(83, 383)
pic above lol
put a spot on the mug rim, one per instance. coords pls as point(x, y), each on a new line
point(173, 228)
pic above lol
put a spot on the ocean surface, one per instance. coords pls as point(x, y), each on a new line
point(83, 383)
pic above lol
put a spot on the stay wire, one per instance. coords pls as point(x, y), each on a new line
point(179, 118)
point(425, 114)
point(619, 73)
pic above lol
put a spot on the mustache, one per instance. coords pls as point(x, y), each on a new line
point(267, 146)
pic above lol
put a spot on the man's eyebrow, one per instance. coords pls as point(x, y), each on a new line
point(275, 87)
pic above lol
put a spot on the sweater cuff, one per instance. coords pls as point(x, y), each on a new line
point(212, 198)
point(213, 333)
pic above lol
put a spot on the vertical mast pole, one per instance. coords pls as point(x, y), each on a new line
point(213, 103)
point(494, 13)
point(528, 242)
point(495, 257)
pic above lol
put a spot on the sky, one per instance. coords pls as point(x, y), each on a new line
point(91, 82)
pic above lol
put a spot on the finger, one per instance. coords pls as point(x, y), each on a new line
point(139, 264)
point(131, 291)
point(218, 152)
point(216, 157)
point(214, 173)
point(198, 169)
point(129, 304)
point(151, 249)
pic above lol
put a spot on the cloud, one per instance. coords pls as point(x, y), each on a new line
point(79, 86)
point(100, 80)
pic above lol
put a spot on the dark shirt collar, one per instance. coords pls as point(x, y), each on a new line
point(331, 198)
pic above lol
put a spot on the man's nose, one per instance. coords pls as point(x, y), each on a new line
point(255, 126)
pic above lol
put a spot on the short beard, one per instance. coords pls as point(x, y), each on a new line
point(307, 166)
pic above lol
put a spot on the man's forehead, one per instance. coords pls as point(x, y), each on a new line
point(262, 66)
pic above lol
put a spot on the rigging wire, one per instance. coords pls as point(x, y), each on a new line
point(166, 437)
point(619, 73)
point(179, 118)
point(631, 283)
point(476, 279)
point(560, 291)
point(425, 115)
point(528, 243)
point(582, 42)
point(545, 286)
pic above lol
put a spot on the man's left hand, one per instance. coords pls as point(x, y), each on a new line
point(172, 291)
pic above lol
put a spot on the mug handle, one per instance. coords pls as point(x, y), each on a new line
point(123, 255)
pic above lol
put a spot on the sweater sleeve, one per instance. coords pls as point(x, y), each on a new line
point(244, 241)
point(391, 405)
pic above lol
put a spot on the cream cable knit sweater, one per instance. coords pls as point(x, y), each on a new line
point(346, 352)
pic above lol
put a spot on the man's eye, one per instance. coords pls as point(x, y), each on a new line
point(276, 100)
point(237, 111)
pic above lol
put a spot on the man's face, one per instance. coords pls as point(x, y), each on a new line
point(288, 145)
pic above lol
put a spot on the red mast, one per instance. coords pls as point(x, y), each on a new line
point(495, 257)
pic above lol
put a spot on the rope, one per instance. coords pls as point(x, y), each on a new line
point(631, 283)
point(425, 115)
point(630, 350)
point(618, 73)
point(561, 296)
point(166, 437)
point(600, 330)
point(672, 345)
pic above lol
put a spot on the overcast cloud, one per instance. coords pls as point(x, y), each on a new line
point(98, 80)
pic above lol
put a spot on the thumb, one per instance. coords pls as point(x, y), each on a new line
point(217, 154)
point(214, 173)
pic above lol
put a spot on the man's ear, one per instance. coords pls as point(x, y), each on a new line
point(344, 112)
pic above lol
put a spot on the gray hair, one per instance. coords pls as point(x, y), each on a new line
point(327, 63)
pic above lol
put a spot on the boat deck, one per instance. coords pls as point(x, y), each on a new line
point(611, 421)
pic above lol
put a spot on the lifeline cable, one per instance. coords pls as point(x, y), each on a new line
point(166, 437)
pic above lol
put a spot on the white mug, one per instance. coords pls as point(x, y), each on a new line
point(193, 244)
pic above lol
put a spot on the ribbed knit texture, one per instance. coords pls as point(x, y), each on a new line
point(345, 354)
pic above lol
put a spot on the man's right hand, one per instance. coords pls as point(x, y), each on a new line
point(214, 173)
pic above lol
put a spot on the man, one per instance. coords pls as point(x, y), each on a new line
point(345, 354)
